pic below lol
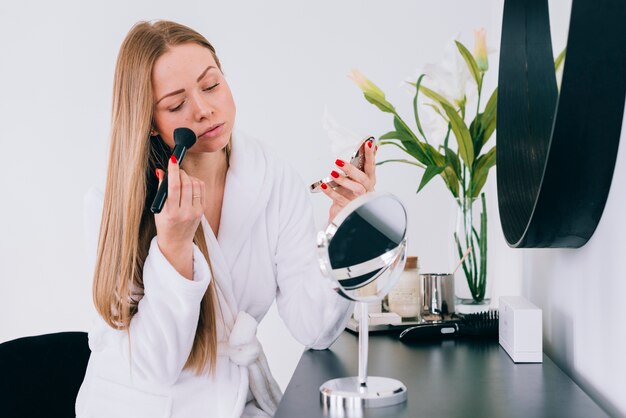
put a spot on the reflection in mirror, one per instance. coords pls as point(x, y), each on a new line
point(364, 246)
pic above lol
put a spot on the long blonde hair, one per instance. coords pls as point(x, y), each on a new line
point(127, 224)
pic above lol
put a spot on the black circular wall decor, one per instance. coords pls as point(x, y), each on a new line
point(556, 152)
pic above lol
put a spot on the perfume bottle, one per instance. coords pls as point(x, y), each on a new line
point(372, 307)
point(403, 299)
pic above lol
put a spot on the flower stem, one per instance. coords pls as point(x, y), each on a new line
point(480, 90)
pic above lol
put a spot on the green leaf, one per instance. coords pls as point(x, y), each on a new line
point(399, 145)
point(390, 135)
point(476, 131)
point(401, 161)
point(488, 118)
point(484, 163)
point(435, 96)
point(435, 156)
point(431, 171)
point(559, 59)
point(489, 129)
point(471, 63)
point(482, 131)
point(474, 127)
point(413, 146)
point(451, 180)
point(380, 102)
point(492, 105)
point(462, 134)
point(483, 246)
point(417, 118)
point(404, 130)
point(453, 161)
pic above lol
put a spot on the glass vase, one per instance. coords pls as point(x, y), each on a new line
point(471, 232)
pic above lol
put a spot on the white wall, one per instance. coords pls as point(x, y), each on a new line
point(581, 291)
point(284, 60)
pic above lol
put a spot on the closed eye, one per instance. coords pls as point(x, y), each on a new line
point(211, 87)
point(177, 108)
point(174, 109)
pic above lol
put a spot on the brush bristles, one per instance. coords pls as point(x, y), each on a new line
point(481, 324)
point(185, 137)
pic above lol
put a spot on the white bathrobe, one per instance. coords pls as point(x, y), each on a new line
point(265, 250)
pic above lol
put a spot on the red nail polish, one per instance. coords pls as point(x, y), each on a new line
point(156, 172)
point(173, 159)
point(324, 186)
point(376, 149)
point(369, 144)
point(334, 174)
point(340, 163)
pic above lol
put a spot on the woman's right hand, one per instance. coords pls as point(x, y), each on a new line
point(178, 221)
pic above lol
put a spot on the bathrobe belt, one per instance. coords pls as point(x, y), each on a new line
point(243, 349)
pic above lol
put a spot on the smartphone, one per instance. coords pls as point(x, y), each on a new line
point(357, 159)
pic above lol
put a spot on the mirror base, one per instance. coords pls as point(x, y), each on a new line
point(345, 395)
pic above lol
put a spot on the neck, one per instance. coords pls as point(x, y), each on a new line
point(210, 167)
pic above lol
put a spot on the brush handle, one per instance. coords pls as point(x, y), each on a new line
point(161, 194)
point(424, 332)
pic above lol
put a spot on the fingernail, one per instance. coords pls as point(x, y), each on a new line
point(156, 171)
point(334, 174)
point(340, 163)
point(324, 186)
point(173, 159)
point(376, 149)
point(369, 144)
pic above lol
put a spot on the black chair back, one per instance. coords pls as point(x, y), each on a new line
point(40, 376)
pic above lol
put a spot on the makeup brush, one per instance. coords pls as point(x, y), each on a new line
point(184, 138)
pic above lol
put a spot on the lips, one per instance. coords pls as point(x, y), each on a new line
point(213, 130)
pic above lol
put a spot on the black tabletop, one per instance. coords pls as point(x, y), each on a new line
point(452, 378)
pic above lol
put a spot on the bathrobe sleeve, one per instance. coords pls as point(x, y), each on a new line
point(314, 313)
point(163, 329)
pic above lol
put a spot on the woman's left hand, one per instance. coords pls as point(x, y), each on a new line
point(354, 184)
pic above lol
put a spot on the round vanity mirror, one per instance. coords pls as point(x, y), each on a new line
point(364, 247)
point(363, 252)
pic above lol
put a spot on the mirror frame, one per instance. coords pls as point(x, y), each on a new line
point(393, 259)
point(556, 152)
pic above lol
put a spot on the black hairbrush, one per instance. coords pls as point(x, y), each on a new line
point(477, 325)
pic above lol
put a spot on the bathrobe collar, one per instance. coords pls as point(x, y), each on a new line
point(246, 193)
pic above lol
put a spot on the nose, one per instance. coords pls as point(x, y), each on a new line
point(202, 108)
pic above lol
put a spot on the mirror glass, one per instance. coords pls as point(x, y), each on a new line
point(365, 246)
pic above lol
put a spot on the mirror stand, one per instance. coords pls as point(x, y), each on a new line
point(352, 394)
point(365, 245)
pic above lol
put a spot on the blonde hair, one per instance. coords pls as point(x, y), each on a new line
point(127, 224)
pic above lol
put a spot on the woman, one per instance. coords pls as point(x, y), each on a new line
point(180, 293)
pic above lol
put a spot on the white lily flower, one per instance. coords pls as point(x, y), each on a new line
point(480, 49)
point(450, 76)
point(342, 140)
point(434, 125)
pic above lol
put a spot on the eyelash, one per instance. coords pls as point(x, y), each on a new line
point(177, 108)
point(211, 87)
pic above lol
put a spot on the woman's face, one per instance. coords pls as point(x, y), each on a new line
point(190, 91)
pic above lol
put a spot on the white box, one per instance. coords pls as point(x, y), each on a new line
point(520, 329)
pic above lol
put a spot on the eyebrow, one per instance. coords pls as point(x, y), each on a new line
point(183, 90)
